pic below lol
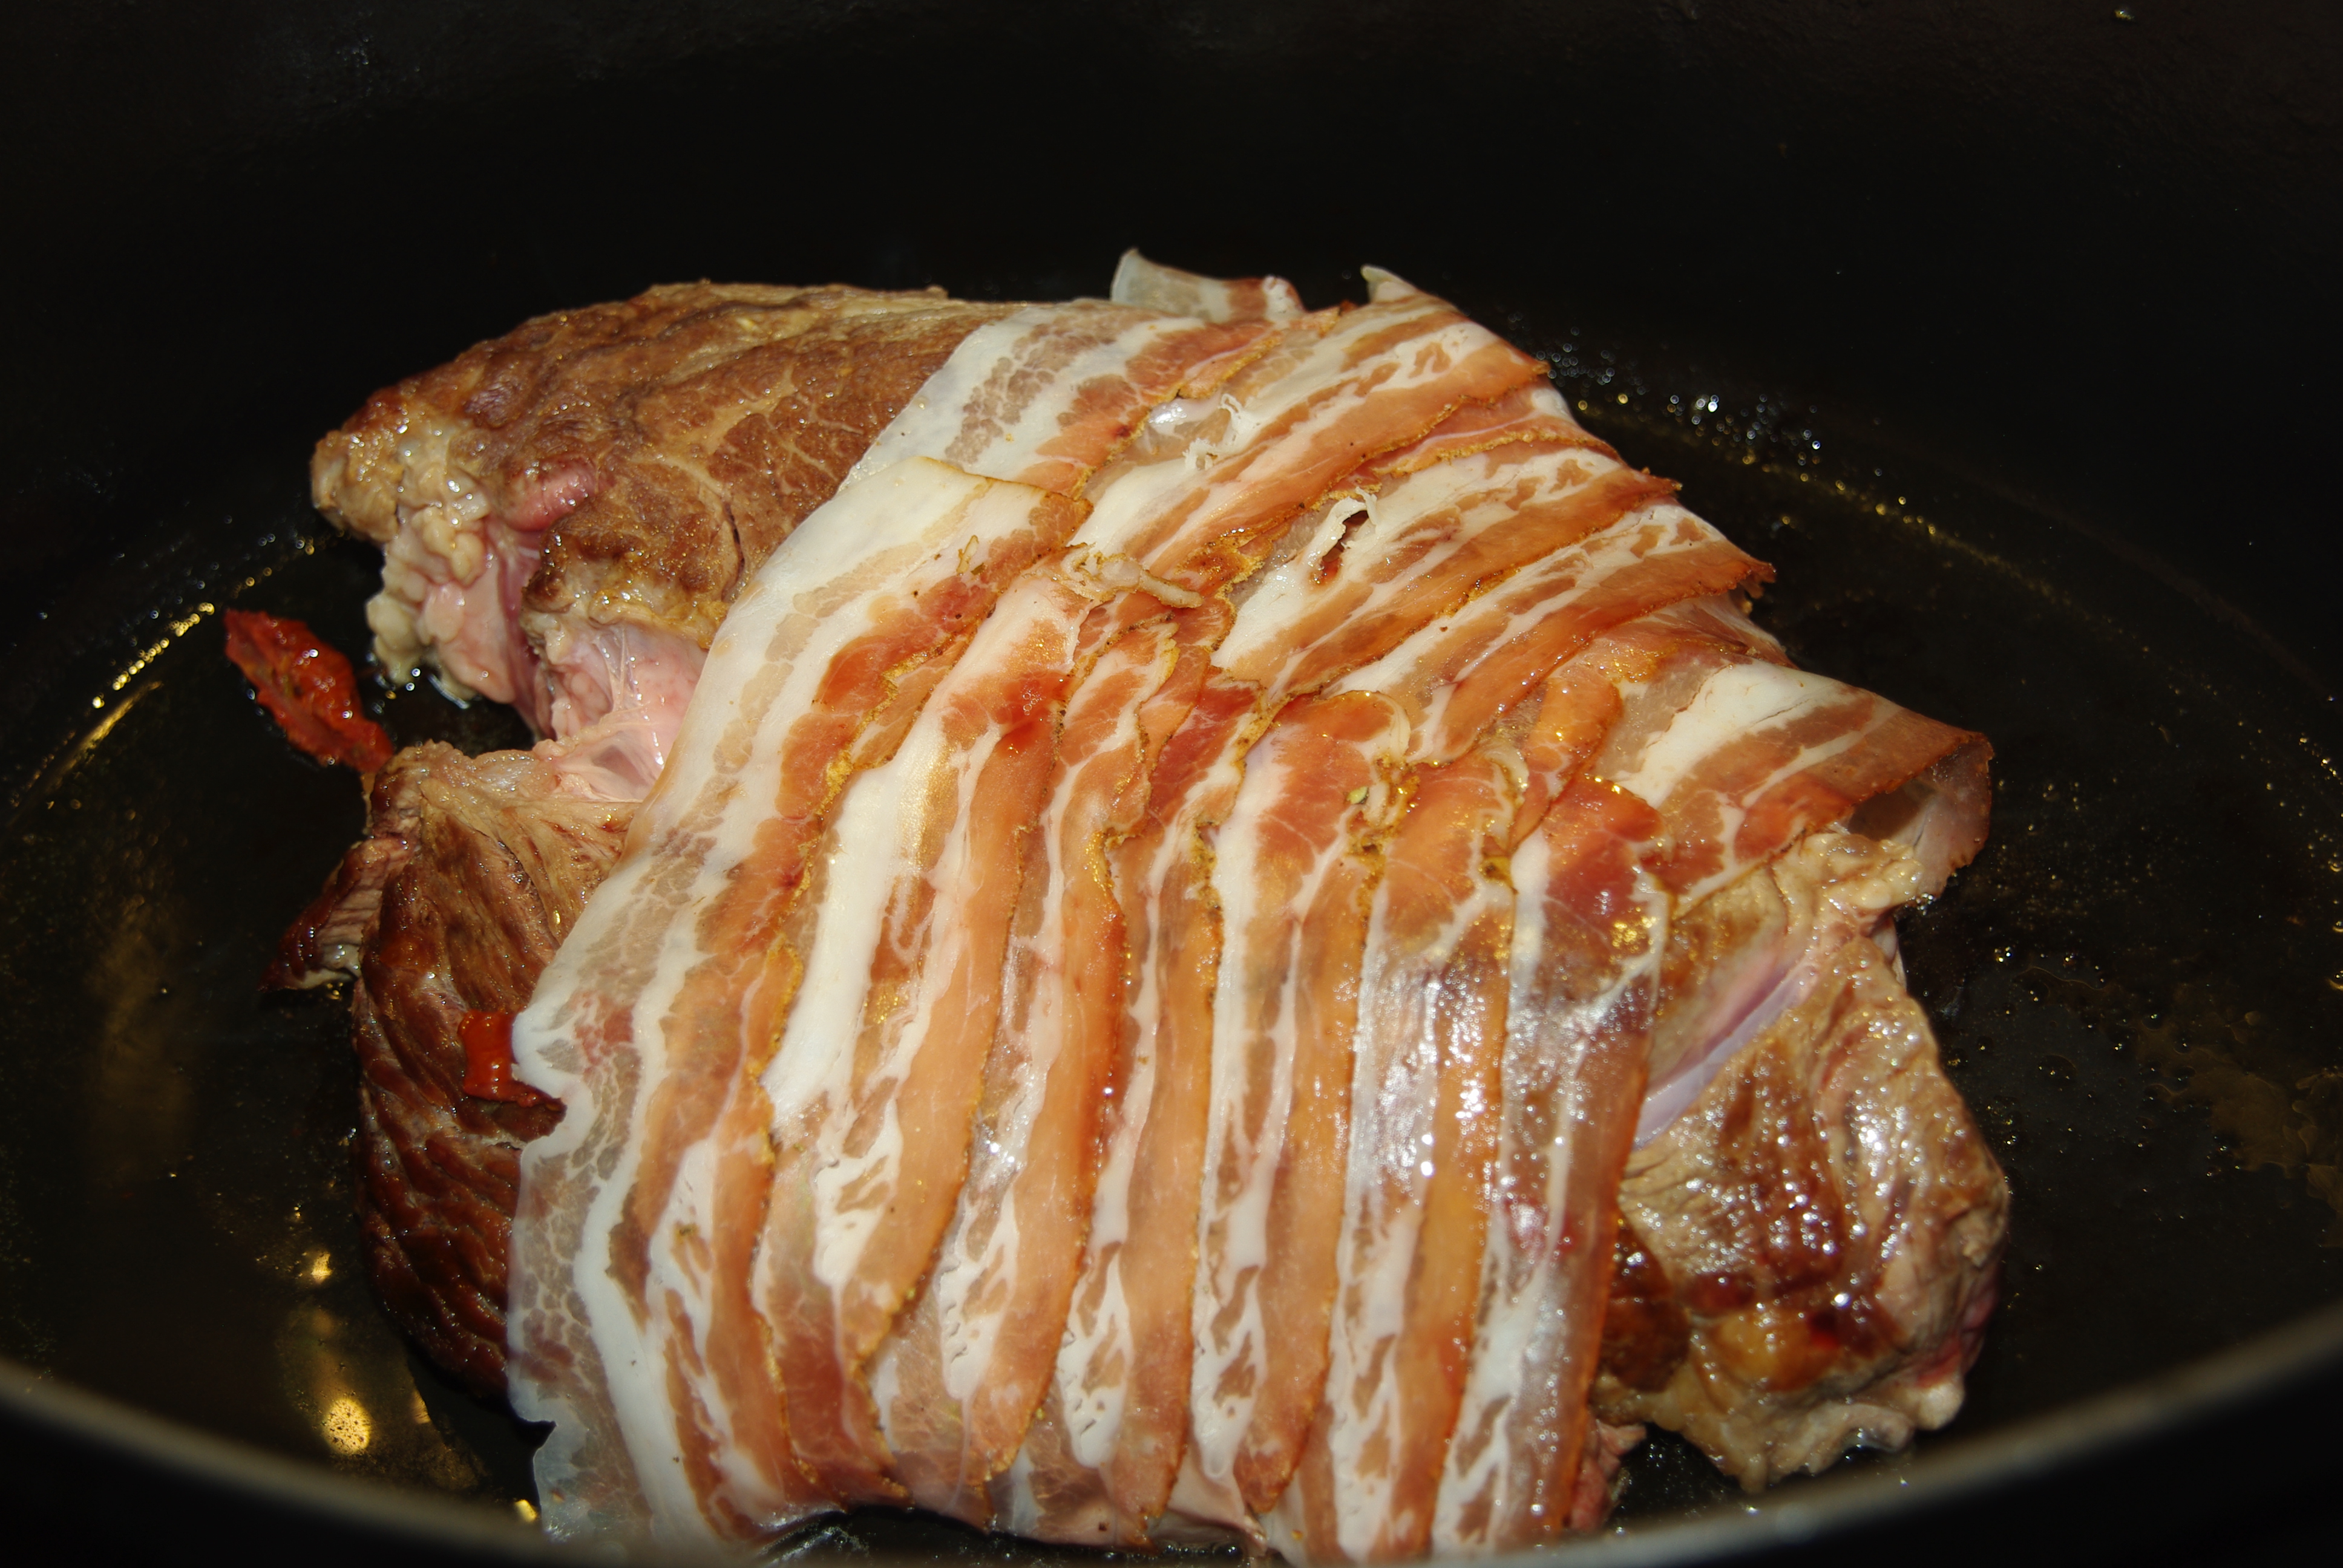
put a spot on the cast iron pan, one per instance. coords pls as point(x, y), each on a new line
point(2018, 468)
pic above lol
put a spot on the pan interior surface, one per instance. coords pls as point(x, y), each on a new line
point(2051, 283)
point(2136, 985)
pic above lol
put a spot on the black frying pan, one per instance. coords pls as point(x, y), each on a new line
point(2005, 335)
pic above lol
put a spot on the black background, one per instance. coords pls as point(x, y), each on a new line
point(2085, 259)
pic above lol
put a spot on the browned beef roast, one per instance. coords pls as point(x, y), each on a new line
point(1825, 1207)
point(472, 870)
point(1824, 1210)
point(621, 466)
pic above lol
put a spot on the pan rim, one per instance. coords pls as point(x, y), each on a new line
point(1960, 1469)
point(1951, 1469)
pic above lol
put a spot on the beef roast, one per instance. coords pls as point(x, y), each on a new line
point(1341, 590)
point(472, 870)
point(1806, 1257)
point(565, 511)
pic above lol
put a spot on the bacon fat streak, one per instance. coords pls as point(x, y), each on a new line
point(1229, 934)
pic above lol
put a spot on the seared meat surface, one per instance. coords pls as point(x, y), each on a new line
point(566, 511)
point(563, 512)
point(1825, 1209)
point(1243, 941)
point(472, 870)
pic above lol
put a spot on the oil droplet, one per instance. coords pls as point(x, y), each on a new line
point(347, 1427)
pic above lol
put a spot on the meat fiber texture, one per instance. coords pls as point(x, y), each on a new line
point(566, 511)
point(1238, 939)
point(473, 869)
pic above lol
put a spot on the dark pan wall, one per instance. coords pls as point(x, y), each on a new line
point(2084, 256)
point(2093, 258)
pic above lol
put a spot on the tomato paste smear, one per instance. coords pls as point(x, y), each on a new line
point(488, 1059)
point(307, 688)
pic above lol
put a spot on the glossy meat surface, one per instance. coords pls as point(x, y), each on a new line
point(566, 511)
point(1237, 940)
point(1808, 1253)
point(473, 870)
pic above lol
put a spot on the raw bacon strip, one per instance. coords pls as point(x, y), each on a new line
point(968, 1364)
point(1288, 428)
point(1575, 712)
point(1455, 675)
point(1763, 753)
point(1608, 701)
point(1335, 391)
point(1589, 926)
point(1047, 395)
point(1293, 892)
point(1757, 757)
point(1534, 414)
point(1424, 1097)
point(882, 1056)
point(1098, 1462)
point(846, 611)
point(1377, 567)
point(1139, 281)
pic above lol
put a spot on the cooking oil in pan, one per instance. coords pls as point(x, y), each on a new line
point(2136, 984)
